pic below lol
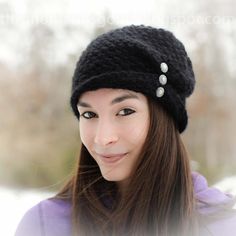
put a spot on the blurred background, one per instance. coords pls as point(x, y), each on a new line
point(40, 43)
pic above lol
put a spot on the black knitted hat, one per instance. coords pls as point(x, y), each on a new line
point(140, 58)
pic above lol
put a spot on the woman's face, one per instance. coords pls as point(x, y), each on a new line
point(113, 127)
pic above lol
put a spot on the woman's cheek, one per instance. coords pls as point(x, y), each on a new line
point(86, 133)
point(138, 131)
point(134, 127)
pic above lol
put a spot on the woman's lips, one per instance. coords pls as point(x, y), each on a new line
point(112, 159)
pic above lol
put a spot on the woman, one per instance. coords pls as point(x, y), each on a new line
point(133, 175)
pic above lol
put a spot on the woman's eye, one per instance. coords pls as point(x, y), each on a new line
point(89, 115)
point(127, 111)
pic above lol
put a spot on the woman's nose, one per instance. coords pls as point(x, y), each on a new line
point(106, 133)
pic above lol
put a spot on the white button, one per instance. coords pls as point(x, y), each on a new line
point(162, 79)
point(164, 67)
point(160, 92)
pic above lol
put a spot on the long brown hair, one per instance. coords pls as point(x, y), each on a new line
point(159, 200)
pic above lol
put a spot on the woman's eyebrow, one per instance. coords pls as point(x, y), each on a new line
point(82, 104)
point(124, 97)
point(114, 101)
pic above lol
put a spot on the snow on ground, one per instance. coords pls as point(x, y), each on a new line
point(14, 203)
point(228, 184)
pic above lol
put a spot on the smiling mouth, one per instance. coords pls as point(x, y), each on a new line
point(112, 159)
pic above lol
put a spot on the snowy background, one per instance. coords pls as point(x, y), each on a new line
point(13, 204)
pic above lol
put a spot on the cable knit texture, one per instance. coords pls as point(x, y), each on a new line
point(130, 58)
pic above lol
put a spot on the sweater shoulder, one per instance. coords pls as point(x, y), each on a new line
point(224, 224)
point(48, 217)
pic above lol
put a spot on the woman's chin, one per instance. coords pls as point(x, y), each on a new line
point(113, 177)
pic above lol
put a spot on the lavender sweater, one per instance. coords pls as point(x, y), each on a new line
point(52, 217)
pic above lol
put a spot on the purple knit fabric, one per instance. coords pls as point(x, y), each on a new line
point(51, 217)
